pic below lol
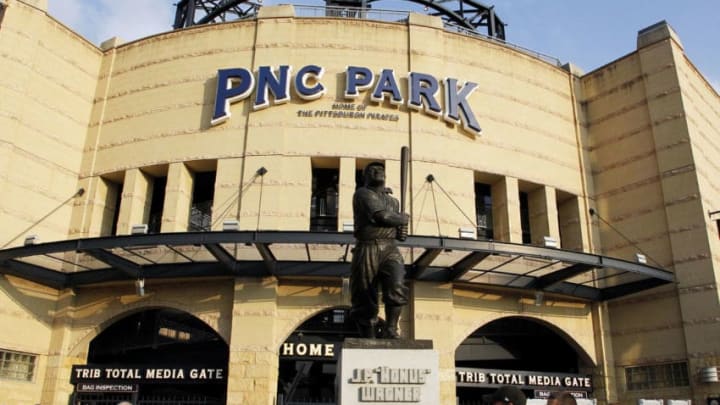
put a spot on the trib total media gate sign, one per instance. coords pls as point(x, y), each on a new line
point(530, 380)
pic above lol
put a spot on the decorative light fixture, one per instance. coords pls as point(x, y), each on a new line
point(709, 375)
point(466, 233)
point(550, 242)
point(31, 240)
point(139, 229)
point(230, 225)
point(261, 171)
point(140, 287)
point(640, 258)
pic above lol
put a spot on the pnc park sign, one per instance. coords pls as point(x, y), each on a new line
point(422, 94)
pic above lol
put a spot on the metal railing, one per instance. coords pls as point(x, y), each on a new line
point(402, 16)
point(351, 13)
point(464, 31)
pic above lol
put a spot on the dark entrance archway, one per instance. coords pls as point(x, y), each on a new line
point(159, 356)
point(522, 350)
point(308, 358)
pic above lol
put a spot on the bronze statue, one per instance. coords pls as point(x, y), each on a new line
point(377, 262)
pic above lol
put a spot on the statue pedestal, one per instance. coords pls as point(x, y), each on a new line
point(388, 371)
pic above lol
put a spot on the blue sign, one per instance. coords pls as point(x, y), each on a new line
point(237, 84)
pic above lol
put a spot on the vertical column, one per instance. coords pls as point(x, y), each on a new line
point(346, 189)
point(543, 215)
point(253, 368)
point(56, 386)
point(178, 197)
point(433, 319)
point(87, 214)
point(135, 203)
point(227, 191)
point(506, 210)
point(571, 217)
point(604, 378)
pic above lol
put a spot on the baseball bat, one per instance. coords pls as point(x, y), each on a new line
point(404, 166)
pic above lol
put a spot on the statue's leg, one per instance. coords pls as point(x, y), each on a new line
point(395, 293)
point(363, 289)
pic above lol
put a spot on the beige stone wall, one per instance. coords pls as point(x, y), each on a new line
point(699, 292)
point(47, 87)
point(651, 118)
point(47, 84)
point(159, 91)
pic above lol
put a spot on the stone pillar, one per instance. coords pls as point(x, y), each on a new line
point(135, 203)
point(571, 217)
point(346, 189)
point(604, 375)
point(227, 191)
point(543, 215)
point(56, 386)
point(506, 210)
point(178, 197)
point(433, 319)
point(253, 368)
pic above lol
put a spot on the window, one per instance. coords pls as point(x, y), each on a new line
point(525, 218)
point(657, 376)
point(117, 191)
point(324, 201)
point(17, 366)
point(3, 6)
point(156, 204)
point(483, 211)
point(202, 201)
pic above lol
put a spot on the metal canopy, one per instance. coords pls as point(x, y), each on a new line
point(73, 263)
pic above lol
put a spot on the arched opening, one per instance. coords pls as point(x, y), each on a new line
point(523, 352)
point(156, 356)
point(308, 358)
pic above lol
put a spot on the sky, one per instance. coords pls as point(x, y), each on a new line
point(587, 33)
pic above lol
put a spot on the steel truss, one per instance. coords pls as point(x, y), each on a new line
point(467, 14)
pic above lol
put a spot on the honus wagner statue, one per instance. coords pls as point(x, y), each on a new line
point(377, 263)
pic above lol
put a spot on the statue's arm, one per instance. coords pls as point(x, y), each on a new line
point(389, 218)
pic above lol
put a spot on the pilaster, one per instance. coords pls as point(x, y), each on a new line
point(135, 202)
point(56, 386)
point(543, 215)
point(253, 368)
point(346, 190)
point(433, 319)
point(178, 197)
point(227, 191)
point(506, 210)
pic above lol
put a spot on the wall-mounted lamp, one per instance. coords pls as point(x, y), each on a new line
point(709, 375)
point(139, 229)
point(539, 298)
point(140, 287)
point(550, 242)
point(261, 171)
point(466, 233)
point(31, 240)
point(640, 258)
point(230, 225)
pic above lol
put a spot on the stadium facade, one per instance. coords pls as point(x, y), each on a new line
point(177, 210)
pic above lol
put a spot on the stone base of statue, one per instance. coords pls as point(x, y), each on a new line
point(388, 371)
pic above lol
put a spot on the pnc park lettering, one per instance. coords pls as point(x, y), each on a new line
point(422, 94)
